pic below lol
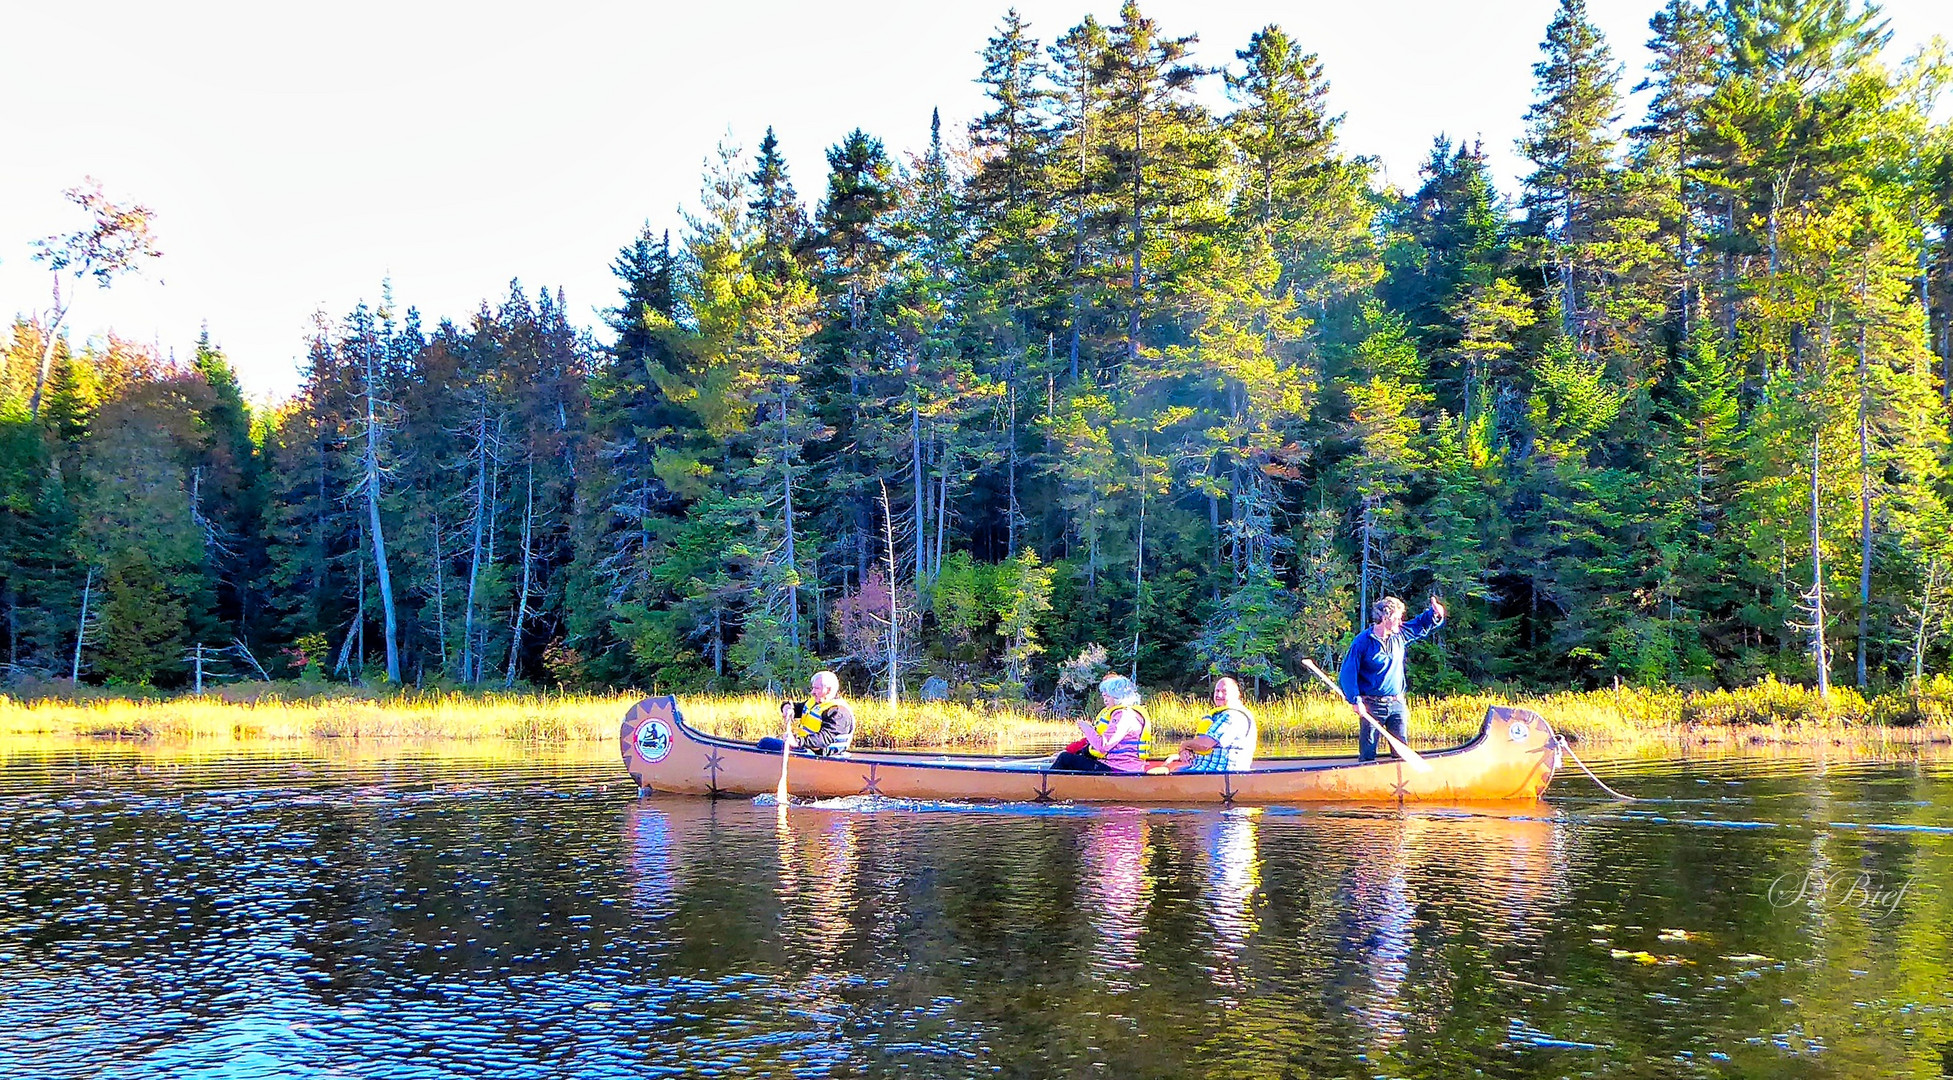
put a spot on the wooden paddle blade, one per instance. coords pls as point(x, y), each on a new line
point(1412, 757)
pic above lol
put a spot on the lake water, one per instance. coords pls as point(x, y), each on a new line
point(294, 914)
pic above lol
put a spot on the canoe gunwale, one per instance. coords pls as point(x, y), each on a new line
point(990, 762)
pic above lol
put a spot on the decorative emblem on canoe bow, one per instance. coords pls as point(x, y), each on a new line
point(1044, 788)
point(872, 783)
point(713, 763)
point(654, 740)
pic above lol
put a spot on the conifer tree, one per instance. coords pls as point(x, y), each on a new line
point(1569, 139)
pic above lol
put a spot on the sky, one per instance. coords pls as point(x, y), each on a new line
point(297, 156)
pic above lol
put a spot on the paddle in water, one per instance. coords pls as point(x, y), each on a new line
point(786, 755)
point(1397, 746)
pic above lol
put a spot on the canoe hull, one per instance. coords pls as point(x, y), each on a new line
point(1513, 757)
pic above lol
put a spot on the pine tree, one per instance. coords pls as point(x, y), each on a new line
point(778, 218)
point(1156, 154)
point(1568, 138)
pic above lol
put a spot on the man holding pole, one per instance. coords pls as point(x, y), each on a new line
point(1372, 679)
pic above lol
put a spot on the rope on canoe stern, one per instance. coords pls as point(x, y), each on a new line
point(1568, 750)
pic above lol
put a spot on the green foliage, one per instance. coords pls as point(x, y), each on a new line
point(1148, 375)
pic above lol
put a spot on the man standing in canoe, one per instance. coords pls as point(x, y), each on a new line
point(1372, 678)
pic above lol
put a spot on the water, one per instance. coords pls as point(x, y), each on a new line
point(292, 915)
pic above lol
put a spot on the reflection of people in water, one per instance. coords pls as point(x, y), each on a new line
point(823, 724)
point(1377, 916)
point(1491, 875)
point(1233, 875)
point(1116, 886)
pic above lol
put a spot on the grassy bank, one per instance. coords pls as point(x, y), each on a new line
point(1768, 713)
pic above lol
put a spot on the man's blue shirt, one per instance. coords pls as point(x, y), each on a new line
point(1375, 666)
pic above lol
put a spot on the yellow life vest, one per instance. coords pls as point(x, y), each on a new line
point(1103, 723)
point(812, 716)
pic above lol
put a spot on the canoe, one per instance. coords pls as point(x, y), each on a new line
point(1513, 757)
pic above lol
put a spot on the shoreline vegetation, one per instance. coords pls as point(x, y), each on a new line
point(1769, 713)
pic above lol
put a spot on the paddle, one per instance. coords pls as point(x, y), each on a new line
point(1396, 745)
point(786, 755)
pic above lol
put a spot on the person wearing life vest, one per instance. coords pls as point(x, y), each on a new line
point(1115, 739)
point(822, 725)
point(1227, 744)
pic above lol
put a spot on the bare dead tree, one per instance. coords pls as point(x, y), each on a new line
point(114, 243)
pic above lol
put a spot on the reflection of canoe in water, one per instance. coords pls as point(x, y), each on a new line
point(1513, 757)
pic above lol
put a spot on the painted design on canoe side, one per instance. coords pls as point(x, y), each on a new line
point(713, 762)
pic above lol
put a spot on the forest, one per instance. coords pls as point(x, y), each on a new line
point(1111, 377)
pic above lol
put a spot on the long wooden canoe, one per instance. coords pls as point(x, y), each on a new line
point(1513, 757)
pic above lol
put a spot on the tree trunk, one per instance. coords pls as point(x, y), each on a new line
point(921, 503)
point(1925, 620)
point(470, 665)
point(60, 313)
point(1010, 500)
point(894, 606)
point(494, 501)
point(1139, 578)
point(359, 624)
point(1138, 232)
point(522, 596)
point(793, 564)
point(1092, 539)
point(1819, 655)
point(1078, 223)
point(1864, 492)
point(1569, 321)
point(380, 568)
point(81, 627)
point(440, 589)
point(1363, 591)
point(942, 512)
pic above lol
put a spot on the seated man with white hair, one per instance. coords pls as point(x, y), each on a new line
point(823, 724)
point(1115, 740)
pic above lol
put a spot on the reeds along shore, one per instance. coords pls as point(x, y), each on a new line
point(1770, 712)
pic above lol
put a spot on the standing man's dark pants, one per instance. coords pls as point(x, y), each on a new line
point(1389, 712)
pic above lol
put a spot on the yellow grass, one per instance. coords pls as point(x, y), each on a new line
point(1771, 712)
point(517, 717)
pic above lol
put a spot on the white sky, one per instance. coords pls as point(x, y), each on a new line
point(298, 154)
